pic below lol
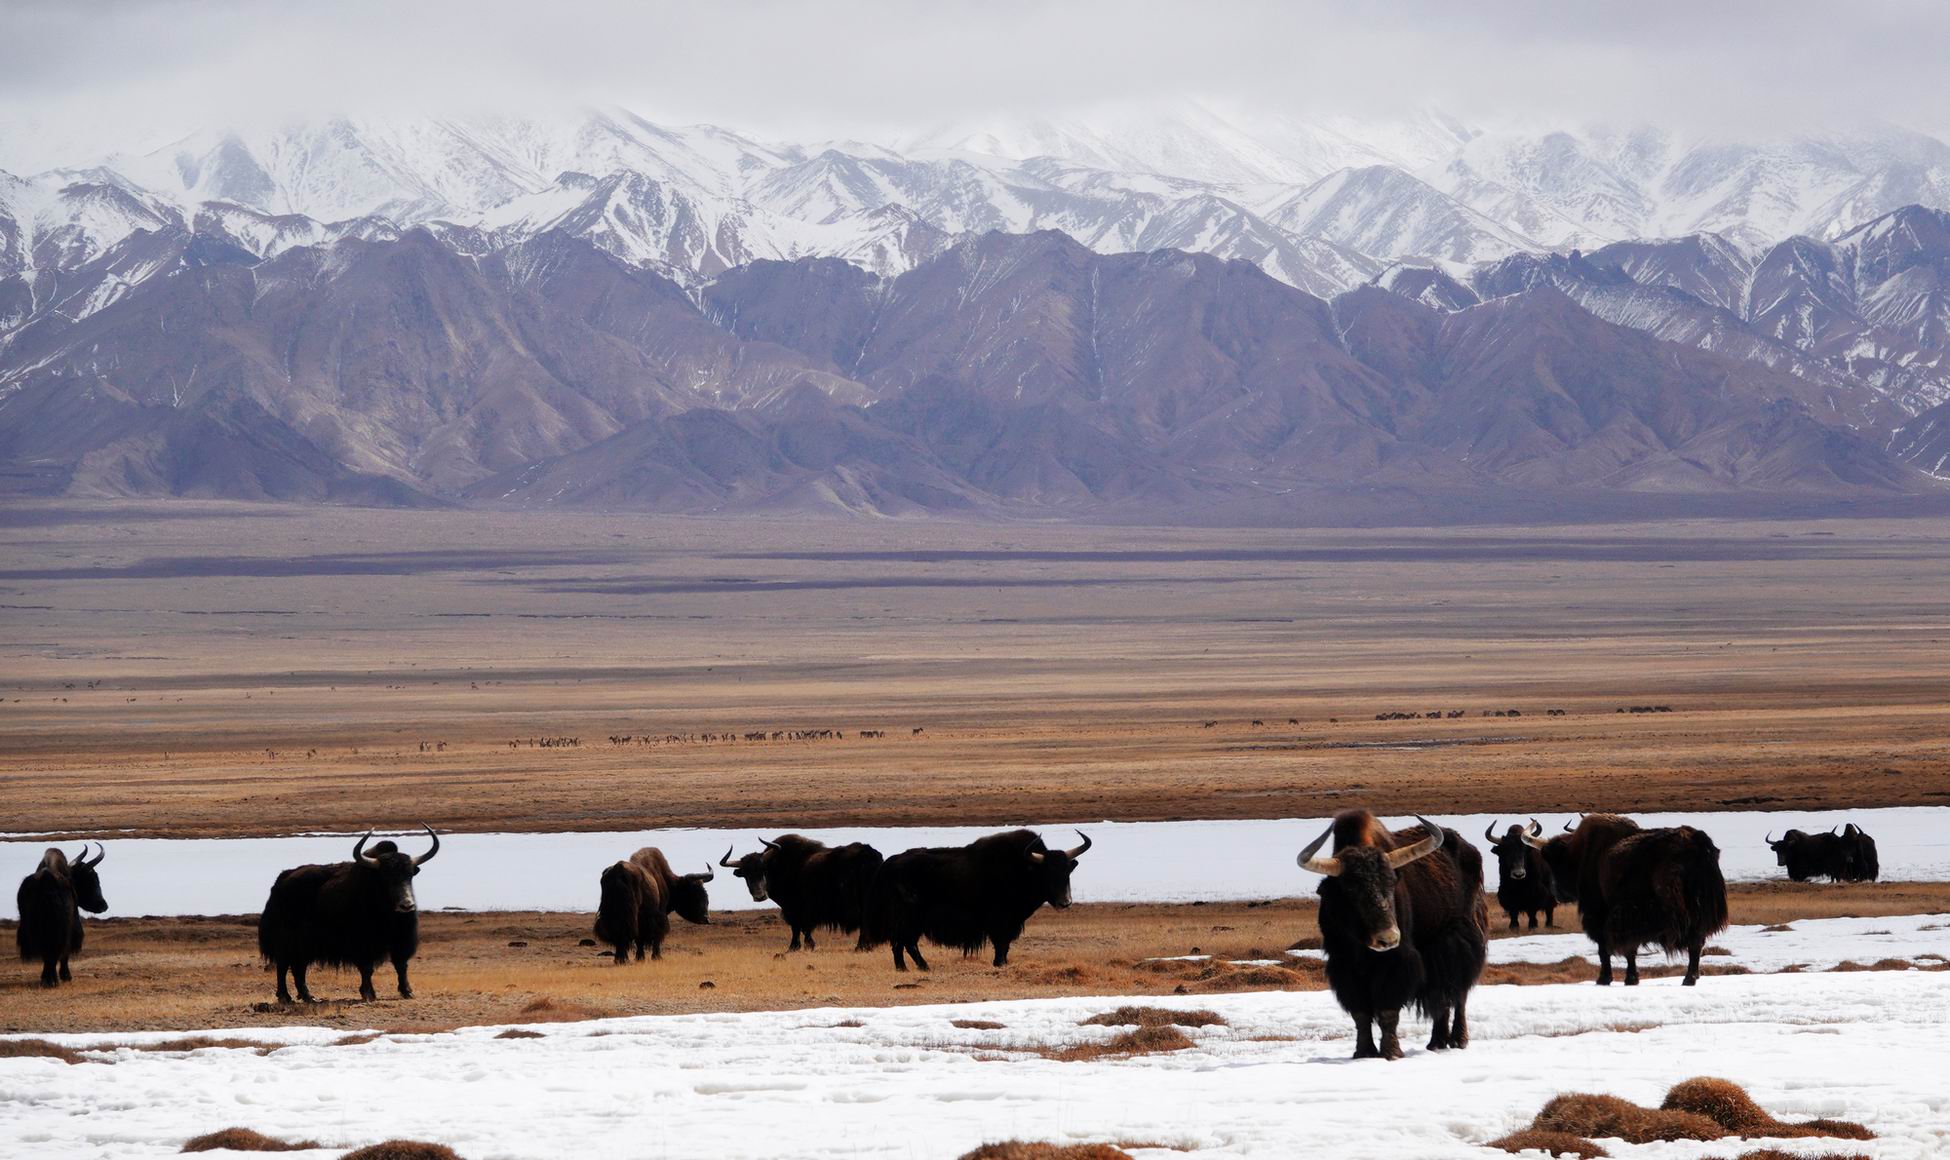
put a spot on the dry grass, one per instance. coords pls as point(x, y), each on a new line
point(1038, 1150)
point(1555, 1143)
point(402, 1150)
point(518, 1033)
point(1133, 1016)
point(1071, 681)
point(1141, 1041)
point(1728, 1104)
point(37, 1049)
point(1777, 1154)
point(964, 1024)
point(1585, 1114)
point(246, 1140)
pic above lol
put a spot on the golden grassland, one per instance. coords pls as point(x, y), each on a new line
point(476, 969)
point(189, 669)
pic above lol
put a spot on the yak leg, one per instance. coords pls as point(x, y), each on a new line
point(914, 952)
point(1692, 966)
point(656, 949)
point(1439, 1036)
point(1631, 966)
point(399, 968)
point(1533, 920)
point(622, 953)
point(900, 955)
point(639, 953)
point(66, 975)
point(284, 993)
point(795, 941)
point(1604, 963)
point(298, 977)
point(1459, 1023)
point(1391, 1045)
point(1550, 916)
point(1364, 1047)
point(1001, 952)
point(48, 976)
point(810, 944)
point(1513, 919)
point(365, 983)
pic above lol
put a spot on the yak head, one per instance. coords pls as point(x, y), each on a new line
point(1512, 853)
point(1363, 875)
point(689, 898)
point(751, 868)
point(87, 884)
point(1787, 842)
point(1559, 858)
point(1052, 869)
point(393, 870)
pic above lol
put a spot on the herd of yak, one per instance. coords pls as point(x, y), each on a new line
point(1403, 917)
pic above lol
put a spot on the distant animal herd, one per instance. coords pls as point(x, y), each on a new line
point(1403, 917)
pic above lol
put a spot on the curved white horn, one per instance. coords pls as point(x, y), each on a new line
point(1422, 849)
point(359, 852)
point(1329, 866)
point(428, 856)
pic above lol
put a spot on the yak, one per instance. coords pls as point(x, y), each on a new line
point(1402, 920)
point(638, 897)
point(1860, 859)
point(816, 886)
point(1523, 882)
point(1635, 888)
point(966, 896)
point(50, 902)
point(1804, 855)
point(357, 914)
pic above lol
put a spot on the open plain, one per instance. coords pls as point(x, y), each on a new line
point(186, 670)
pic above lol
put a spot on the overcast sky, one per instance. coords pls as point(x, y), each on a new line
point(81, 70)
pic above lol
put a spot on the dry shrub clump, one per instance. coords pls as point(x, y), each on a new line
point(1555, 1143)
point(550, 1010)
point(1727, 1103)
point(1134, 1016)
point(1777, 1154)
point(1041, 1150)
point(402, 1150)
point(969, 1024)
point(1583, 1114)
point(37, 1049)
point(246, 1140)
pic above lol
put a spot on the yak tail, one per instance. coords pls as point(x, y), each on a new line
point(1694, 874)
point(616, 913)
point(877, 911)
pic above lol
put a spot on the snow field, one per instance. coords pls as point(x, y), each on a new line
point(906, 1083)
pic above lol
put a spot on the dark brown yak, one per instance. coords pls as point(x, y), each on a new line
point(1637, 888)
point(50, 902)
point(1402, 920)
point(815, 885)
point(638, 897)
point(345, 914)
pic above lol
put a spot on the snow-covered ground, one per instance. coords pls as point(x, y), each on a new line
point(906, 1083)
point(1131, 861)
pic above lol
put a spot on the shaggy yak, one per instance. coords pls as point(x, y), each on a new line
point(345, 914)
point(50, 902)
point(1403, 920)
point(816, 886)
point(638, 897)
point(1637, 888)
point(1523, 882)
point(965, 896)
point(1841, 855)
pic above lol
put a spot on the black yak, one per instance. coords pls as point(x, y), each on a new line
point(638, 897)
point(816, 886)
point(1860, 861)
point(1637, 888)
point(1402, 920)
point(346, 914)
point(1523, 882)
point(1804, 855)
point(50, 901)
point(966, 896)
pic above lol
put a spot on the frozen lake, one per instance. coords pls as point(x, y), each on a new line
point(1131, 861)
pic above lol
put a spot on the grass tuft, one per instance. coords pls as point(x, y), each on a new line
point(1727, 1103)
point(1137, 1016)
point(246, 1140)
point(1584, 1114)
point(37, 1049)
point(402, 1150)
point(1042, 1150)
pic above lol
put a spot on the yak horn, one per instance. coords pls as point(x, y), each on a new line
point(1536, 827)
point(707, 875)
point(1075, 852)
point(359, 852)
point(81, 856)
point(101, 852)
point(726, 861)
point(1329, 866)
point(1036, 857)
point(1567, 825)
point(1534, 836)
point(428, 856)
point(1770, 838)
point(1422, 849)
point(1489, 833)
point(769, 845)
